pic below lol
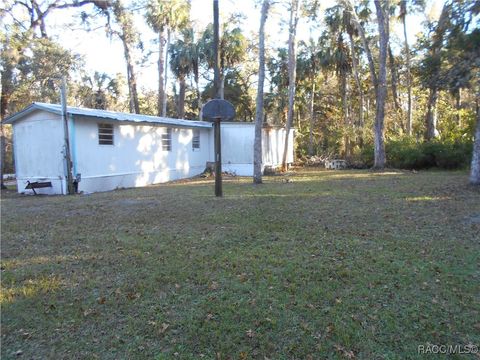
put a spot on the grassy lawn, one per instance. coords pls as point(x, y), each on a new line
point(339, 264)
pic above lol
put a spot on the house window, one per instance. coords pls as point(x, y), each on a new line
point(167, 140)
point(196, 140)
point(105, 134)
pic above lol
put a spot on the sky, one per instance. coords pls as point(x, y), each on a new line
point(106, 55)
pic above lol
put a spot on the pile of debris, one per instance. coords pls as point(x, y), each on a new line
point(316, 160)
point(209, 171)
point(328, 161)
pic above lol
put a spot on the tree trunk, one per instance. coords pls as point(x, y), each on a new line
point(312, 118)
point(435, 49)
point(161, 89)
point(257, 145)
point(199, 99)
point(126, 36)
point(403, 11)
point(292, 72)
point(221, 91)
point(360, 122)
point(181, 98)
point(394, 80)
point(475, 170)
point(2, 155)
point(346, 115)
point(380, 113)
point(431, 117)
point(7, 89)
point(132, 81)
point(381, 89)
point(458, 106)
point(165, 96)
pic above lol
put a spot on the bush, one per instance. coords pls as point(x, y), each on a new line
point(407, 154)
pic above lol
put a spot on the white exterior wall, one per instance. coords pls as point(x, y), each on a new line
point(38, 150)
point(237, 147)
point(136, 158)
point(273, 143)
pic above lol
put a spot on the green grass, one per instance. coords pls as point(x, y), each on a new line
point(340, 264)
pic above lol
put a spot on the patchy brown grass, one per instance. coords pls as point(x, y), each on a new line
point(341, 264)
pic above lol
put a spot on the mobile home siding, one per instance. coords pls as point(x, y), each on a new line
point(111, 150)
point(38, 148)
point(136, 157)
point(237, 147)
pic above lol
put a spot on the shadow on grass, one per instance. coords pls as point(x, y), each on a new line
point(310, 268)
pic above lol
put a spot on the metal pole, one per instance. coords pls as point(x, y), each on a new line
point(68, 161)
point(216, 81)
point(218, 159)
point(216, 70)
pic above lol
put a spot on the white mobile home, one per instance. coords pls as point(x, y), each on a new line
point(112, 150)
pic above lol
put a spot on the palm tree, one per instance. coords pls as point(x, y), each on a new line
point(232, 49)
point(475, 170)
point(165, 17)
point(129, 38)
point(379, 79)
point(419, 5)
point(184, 58)
point(309, 63)
point(340, 60)
point(292, 69)
point(257, 146)
point(193, 52)
point(351, 31)
point(432, 67)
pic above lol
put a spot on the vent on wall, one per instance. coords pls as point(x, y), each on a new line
point(105, 134)
point(196, 139)
point(167, 140)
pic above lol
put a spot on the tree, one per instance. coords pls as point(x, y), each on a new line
point(403, 16)
point(308, 66)
point(351, 31)
point(183, 62)
point(339, 58)
point(379, 80)
point(164, 17)
point(292, 67)
point(420, 5)
point(257, 146)
point(7, 62)
point(99, 91)
point(189, 50)
point(432, 67)
point(381, 91)
point(232, 49)
point(277, 98)
point(475, 169)
point(38, 11)
point(16, 39)
point(129, 37)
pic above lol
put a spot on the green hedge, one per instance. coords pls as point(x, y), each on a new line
point(407, 154)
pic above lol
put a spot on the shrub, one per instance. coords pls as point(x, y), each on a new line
point(407, 154)
point(449, 155)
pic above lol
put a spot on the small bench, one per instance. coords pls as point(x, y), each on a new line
point(38, 185)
